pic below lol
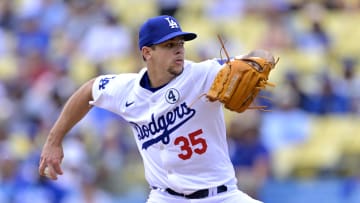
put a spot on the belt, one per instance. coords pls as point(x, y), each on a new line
point(198, 194)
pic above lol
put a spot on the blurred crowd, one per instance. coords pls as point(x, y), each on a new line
point(49, 47)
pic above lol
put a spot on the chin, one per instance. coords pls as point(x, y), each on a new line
point(176, 70)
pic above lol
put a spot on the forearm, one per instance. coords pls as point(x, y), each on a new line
point(73, 111)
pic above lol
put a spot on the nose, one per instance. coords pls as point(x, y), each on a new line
point(179, 50)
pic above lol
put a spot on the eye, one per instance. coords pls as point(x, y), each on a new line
point(171, 45)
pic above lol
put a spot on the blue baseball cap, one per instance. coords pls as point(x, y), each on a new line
point(161, 28)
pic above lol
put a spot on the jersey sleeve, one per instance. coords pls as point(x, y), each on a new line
point(106, 90)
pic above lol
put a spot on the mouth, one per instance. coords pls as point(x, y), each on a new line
point(179, 61)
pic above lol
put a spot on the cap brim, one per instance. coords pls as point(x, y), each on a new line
point(187, 36)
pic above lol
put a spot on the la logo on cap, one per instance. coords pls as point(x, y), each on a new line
point(161, 28)
point(172, 23)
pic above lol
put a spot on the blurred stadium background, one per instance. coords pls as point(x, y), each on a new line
point(307, 149)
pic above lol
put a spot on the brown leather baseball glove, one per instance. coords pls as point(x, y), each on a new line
point(240, 80)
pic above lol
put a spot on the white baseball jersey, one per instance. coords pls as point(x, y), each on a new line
point(183, 146)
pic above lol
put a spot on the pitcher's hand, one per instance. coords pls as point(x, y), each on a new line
point(50, 161)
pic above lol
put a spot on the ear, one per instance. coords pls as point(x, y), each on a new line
point(146, 52)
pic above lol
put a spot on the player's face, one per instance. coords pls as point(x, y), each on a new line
point(170, 55)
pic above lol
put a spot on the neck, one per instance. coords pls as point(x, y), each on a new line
point(159, 78)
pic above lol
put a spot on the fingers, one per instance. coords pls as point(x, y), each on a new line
point(41, 168)
point(262, 54)
point(50, 170)
point(57, 169)
point(50, 161)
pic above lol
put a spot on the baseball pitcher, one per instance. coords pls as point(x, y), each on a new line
point(175, 109)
